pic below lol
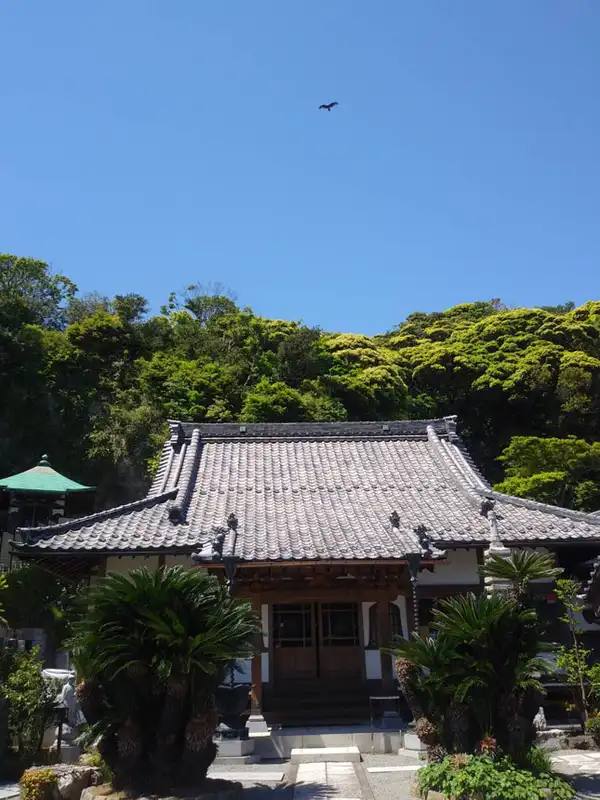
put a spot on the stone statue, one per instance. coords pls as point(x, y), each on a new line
point(539, 721)
point(68, 700)
point(73, 719)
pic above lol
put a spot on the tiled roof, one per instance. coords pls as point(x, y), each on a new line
point(312, 491)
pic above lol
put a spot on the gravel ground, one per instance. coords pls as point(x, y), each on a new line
point(391, 785)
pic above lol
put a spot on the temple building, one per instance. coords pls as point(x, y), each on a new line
point(38, 496)
point(341, 534)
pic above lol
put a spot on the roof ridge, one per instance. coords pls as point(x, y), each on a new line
point(187, 479)
point(295, 430)
point(99, 516)
point(535, 505)
point(458, 475)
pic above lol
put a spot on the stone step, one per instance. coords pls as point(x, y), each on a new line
point(315, 755)
point(249, 776)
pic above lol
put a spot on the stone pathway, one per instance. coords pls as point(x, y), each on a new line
point(9, 790)
point(377, 777)
point(329, 779)
point(582, 768)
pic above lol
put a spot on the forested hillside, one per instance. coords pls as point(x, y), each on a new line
point(90, 380)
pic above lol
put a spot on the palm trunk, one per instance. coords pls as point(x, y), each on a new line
point(199, 749)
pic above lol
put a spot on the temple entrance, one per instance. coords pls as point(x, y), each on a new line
point(316, 640)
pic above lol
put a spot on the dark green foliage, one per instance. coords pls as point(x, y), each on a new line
point(469, 683)
point(150, 651)
point(95, 377)
point(474, 777)
point(35, 598)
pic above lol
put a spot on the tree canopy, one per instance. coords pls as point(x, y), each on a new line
point(91, 380)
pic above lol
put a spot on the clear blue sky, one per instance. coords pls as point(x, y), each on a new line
point(150, 144)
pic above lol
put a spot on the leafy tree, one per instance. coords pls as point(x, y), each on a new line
point(274, 402)
point(34, 598)
point(30, 294)
point(96, 376)
point(551, 470)
point(31, 701)
point(150, 650)
point(575, 660)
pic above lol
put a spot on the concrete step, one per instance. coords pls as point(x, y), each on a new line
point(315, 755)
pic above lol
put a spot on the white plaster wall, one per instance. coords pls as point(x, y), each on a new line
point(373, 665)
point(365, 607)
point(264, 665)
point(179, 561)
point(125, 564)
point(460, 567)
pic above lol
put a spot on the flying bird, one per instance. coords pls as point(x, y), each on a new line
point(328, 106)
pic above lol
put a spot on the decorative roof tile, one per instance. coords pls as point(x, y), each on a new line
point(314, 491)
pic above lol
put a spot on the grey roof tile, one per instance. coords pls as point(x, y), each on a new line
point(314, 491)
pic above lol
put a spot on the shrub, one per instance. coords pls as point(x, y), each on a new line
point(592, 726)
point(32, 699)
point(151, 650)
point(538, 761)
point(95, 760)
point(467, 681)
point(479, 776)
point(38, 784)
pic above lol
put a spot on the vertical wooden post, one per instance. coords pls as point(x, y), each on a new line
point(257, 666)
point(385, 640)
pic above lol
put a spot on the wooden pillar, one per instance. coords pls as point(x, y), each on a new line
point(385, 640)
point(256, 704)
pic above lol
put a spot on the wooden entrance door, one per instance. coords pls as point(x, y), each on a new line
point(340, 653)
point(294, 642)
point(316, 640)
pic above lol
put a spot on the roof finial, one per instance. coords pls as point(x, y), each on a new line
point(487, 505)
point(44, 462)
point(232, 522)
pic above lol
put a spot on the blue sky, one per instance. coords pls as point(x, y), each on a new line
point(150, 144)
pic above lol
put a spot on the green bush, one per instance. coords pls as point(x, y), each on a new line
point(475, 777)
point(38, 784)
point(95, 760)
point(151, 650)
point(592, 726)
point(538, 761)
point(31, 698)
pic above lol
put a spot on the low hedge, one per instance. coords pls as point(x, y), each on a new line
point(467, 777)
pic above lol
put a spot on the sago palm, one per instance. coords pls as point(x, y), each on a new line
point(520, 568)
point(156, 645)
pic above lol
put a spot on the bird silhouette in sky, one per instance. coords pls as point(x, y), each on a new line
point(328, 106)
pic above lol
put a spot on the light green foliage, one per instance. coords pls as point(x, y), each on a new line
point(476, 777)
point(520, 568)
point(592, 726)
point(95, 378)
point(559, 471)
point(31, 699)
point(575, 660)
